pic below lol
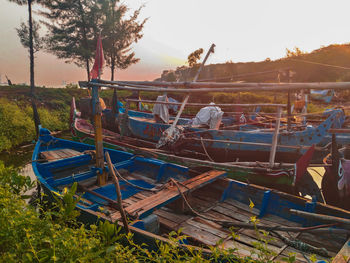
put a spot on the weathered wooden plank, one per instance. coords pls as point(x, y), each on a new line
point(59, 154)
point(242, 249)
point(332, 244)
point(168, 224)
point(200, 235)
point(171, 193)
point(207, 227)
point(177, 218)
point(242, 206)
point(231, 213)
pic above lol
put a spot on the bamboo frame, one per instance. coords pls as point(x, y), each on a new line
point(245, 85)
point(206, 104)
point(191, 87)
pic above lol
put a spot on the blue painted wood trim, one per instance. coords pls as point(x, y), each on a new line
point(265, 203)
point(73, 178)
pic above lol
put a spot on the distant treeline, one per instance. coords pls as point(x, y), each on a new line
point(315, 66)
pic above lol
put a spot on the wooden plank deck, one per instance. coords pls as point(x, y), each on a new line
point(55, 155)
point(170, 193)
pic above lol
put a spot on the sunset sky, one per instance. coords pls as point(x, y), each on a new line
point(249, 30)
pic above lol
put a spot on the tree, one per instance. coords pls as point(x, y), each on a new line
point(30, 38)
point(194, 57)
point(297, 52)
point(23, 34)
point(119, 34)
point(73, 28)
point(31, 58)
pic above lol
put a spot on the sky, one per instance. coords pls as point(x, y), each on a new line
point(242, 30)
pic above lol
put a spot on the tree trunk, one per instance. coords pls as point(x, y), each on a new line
point(85, 40)
point(112, 70)
point(31, 57)
point(31, 50)
point(87, 68)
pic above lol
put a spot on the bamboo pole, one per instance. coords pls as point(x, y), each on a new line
point(256, 143)
point(97, 112)
point(172, 127)
point(216, 85)
point(119, 195)
point(282, 87)
point(289, 106)
point(275, 137)
point(321, 217)
point(206, 104)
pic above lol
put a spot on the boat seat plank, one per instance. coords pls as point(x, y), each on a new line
point(171, 193)
point(55, 155)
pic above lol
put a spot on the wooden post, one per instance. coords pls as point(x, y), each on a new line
point(275, 137)
point(172, 127)
point(97, 112)
point(289, 112)
point(117, 189)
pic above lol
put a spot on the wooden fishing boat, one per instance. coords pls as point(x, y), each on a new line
point(228, 145)
point(159, 197)
point(287, 177)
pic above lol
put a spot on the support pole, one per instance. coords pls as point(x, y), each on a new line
point(97, 112)
point(172, 127)
point(275, 137)
point(119, 195)
point(289, 112)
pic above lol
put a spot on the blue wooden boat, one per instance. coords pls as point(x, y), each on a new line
point(216, 202)
point(288, 141)
point(322, 95)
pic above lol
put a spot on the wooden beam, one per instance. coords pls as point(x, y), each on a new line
point(206, 104)
point(216, 85)
point(323, 218)
point(119, 195)
point(170, 131)
point(169, 194)
point(275, 137)
point(262, 87)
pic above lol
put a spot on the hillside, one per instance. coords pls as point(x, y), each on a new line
point(268, 70)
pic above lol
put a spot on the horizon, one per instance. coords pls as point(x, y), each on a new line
point(260, 30)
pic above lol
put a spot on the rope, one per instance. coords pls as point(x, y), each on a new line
point(205, 150)
point(321, 64)
point(298, 244)
point(134, 185)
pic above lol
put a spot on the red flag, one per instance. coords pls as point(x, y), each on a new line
point(99, 60)
point(303, 163)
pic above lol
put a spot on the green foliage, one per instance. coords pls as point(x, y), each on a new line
point(15, 183)
point(194, 57)
point(17, 126)
point(72, 27)
point(119, 34)
point(23, 34)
